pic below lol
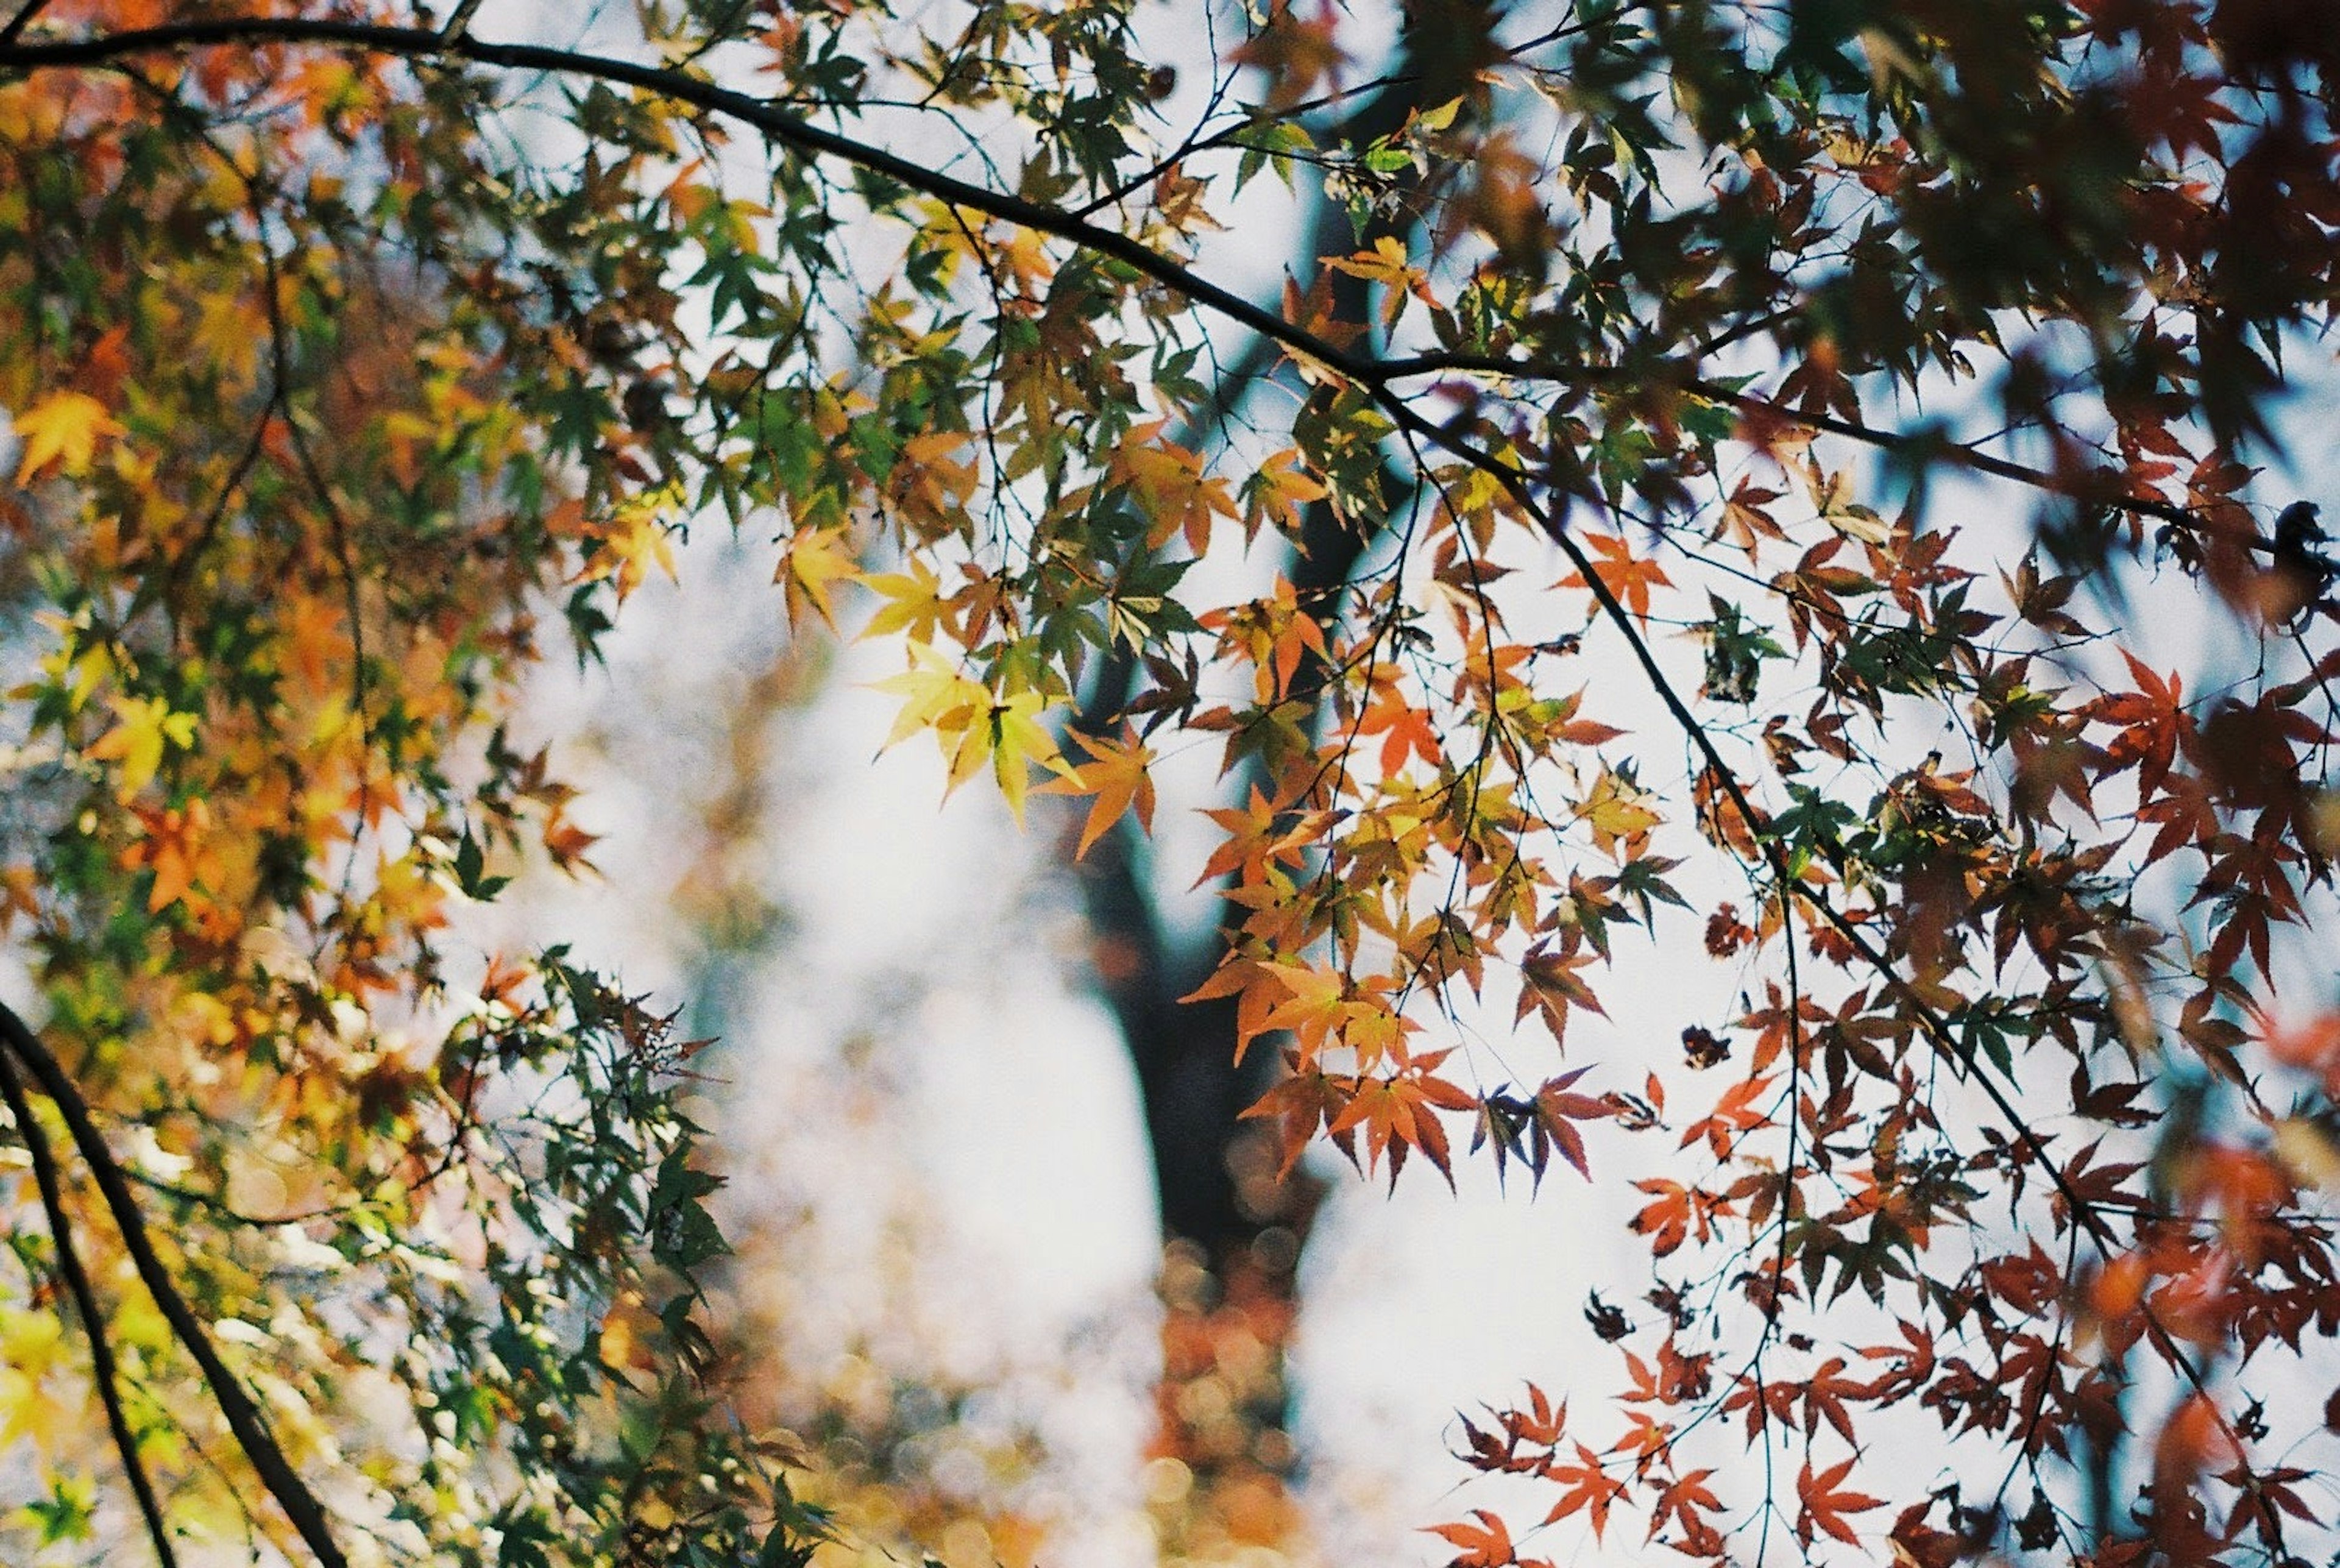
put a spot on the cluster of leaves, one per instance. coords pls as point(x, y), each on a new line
point(326, 384)
point(416, 1258)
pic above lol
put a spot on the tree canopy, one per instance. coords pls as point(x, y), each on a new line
point(1746, 586)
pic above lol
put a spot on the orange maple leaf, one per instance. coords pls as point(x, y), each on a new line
point(1587, 1488)
point(1627, 578)
point(1115, 775)
point(1825, 1506)
point(1296, 55)
point(1486, 1544)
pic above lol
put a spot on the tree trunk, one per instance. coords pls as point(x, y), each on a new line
point(1232, 1234)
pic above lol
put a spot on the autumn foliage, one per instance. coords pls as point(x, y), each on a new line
point(1773, 672)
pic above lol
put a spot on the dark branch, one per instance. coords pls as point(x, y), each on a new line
point(22, 19)
point(1930, 1023)
point(103, 1373)
point(244, 1419)
point(790, 130)
point(1916, 448)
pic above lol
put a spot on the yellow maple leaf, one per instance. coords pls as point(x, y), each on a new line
point(64, 429)
point(1387, 265)
point(145, 725)
point(1277, 492)
point(816, 558)
point(972, 725)
point(31, 1406)
point(1019, 741)
point(1616, 812)
point(913, 603)
point(634, 541)
point(935, 696)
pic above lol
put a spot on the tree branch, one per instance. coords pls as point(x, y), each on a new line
point(244, 1419)
point(1928, 1019)
point(1900, 443)
point(430, 46)
point(449, 47)
point(22, 19)
point(102, 1370)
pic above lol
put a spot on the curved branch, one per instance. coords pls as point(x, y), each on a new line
point(243, 1418)
point(1928, 1018)
point(434, 46)
point(429, 46)
point(103, 1373)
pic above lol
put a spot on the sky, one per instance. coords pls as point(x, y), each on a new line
point(932, 1132)
point(937, 940)
point(914, 1055)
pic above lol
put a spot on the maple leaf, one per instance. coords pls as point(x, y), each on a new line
point(1586, 1487)
point(1167, 482)
point(147, 728)
point(1117, 776)
point(1617, 811)
point(1257, 990)
point(2153, 722)
point(1397, 1115)
point(1018, 743)
point(1683, 1499)
point(1745, 517)
point(1301, 1103)
point(1406, 730)
point(1486, 1544)
point(972, 727)
point(1823, 1506)
point(1543, 1422)
point(1260, 839)
point(1667, 1218)
point(1764, 1404)
point(1315, 1006)
point(172, 846)
point(1825, 1393)
point(33, 1406)
point(1734, 1114)
point(928, 484)
point(912, 603)
point(1915, 1355)
point(937, 694)
point(1563, 726)
point(566, 842)
point(814, 560)
point(1387, 264)
point(1548, 984)
point(1277, 490)
point(632, 542)
point(64, 430)
point(1557, 1110)
point(1296, 53)
point(1627, 577)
